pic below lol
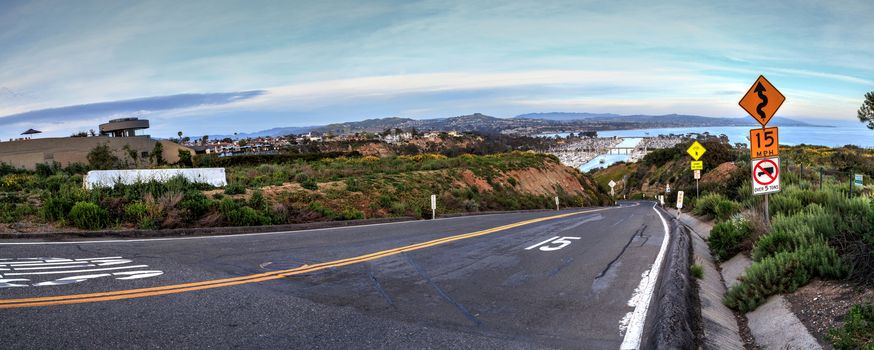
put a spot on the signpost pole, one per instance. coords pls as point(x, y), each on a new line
point(851, 184)
point(767, 209)
point(820, 178)
point(433, 206)
point(696, 188)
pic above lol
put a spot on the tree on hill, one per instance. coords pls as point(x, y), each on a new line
point(866, 112)
point(102, 158)
point(157, 155)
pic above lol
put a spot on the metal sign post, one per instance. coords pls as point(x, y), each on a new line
point(762, 101)
point(697, 175)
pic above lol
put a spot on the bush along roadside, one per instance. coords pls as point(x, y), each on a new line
point(300, 190)
point(857, 331)
point(813, 233)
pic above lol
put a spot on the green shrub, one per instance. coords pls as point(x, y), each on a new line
point(697, 271)
point(788, 233)
point(715, 205)
point(196, 203)
point(12, 212)
point(353, 185)
point(706, 204)
point(351, 214)
point(235, 189)
point(785, 204)
point(726, 237)
point(725, 209)
point(140, 214)
point(237, 214)
point(89, 216)
point(322, 210)
point(258, 201)
point(858, 329)
point(783, 272)
point(310, 184)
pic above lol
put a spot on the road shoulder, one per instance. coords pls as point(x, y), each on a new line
point(718, 323)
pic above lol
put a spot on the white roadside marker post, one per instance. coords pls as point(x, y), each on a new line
point(433, 206)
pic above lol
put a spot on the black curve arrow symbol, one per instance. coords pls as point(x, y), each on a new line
point(760, 90)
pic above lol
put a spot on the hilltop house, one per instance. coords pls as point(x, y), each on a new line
point(117, 134)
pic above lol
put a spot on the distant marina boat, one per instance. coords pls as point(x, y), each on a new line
point(602, 161)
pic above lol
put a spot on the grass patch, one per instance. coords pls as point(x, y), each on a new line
point(697, 271)
point(858, 329)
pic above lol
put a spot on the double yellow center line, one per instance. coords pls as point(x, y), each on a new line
point(261, 277)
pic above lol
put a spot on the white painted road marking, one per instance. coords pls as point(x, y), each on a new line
point(541, 243)
point(76, 270)
point(638, 318)
point(562, 242)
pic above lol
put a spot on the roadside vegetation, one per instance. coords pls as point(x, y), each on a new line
point(857, 331)
point(286, 189)
point(819, 228)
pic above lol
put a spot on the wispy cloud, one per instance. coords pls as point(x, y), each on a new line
point(133, 107)
point(345, 59)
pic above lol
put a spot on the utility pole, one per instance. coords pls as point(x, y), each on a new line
point(820, 178)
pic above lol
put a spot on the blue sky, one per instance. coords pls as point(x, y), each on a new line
point(218, 67)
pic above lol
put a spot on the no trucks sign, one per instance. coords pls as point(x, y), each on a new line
point(766, 175)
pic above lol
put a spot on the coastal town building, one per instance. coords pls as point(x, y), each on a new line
point(119, 135)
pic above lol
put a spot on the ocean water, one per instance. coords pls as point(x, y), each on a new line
point(610, 159)
point(836, 136)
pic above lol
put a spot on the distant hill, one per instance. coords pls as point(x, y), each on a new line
point(525, 123)
point(661, 121)
point(267, 133)
point(566, 116)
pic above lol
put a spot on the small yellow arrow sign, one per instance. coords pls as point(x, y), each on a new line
point(696, 150)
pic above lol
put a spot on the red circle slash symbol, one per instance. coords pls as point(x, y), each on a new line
point(765, 175)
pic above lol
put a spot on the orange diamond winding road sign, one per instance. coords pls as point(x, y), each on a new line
point(762, 101)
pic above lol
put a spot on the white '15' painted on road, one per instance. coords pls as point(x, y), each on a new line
point(560, 241)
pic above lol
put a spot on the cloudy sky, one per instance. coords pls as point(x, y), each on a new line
point(220, 67)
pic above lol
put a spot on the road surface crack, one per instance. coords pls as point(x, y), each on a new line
point(631, 239)
point(443, 293)
point(379, 288)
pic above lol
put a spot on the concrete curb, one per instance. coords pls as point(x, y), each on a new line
point(674, 316)
point(718, 324)
point(775, 327)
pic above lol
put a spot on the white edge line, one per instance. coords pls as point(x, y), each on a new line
point(634, 332)
point(267, 233)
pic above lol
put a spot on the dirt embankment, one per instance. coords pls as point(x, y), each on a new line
point(544, 181)
point(719, 174)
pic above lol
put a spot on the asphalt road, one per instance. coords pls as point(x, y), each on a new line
point(466, 282)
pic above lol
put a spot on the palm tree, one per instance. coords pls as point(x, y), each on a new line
point(180, 136)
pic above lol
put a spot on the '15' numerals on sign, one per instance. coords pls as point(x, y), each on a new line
point(764, 143)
